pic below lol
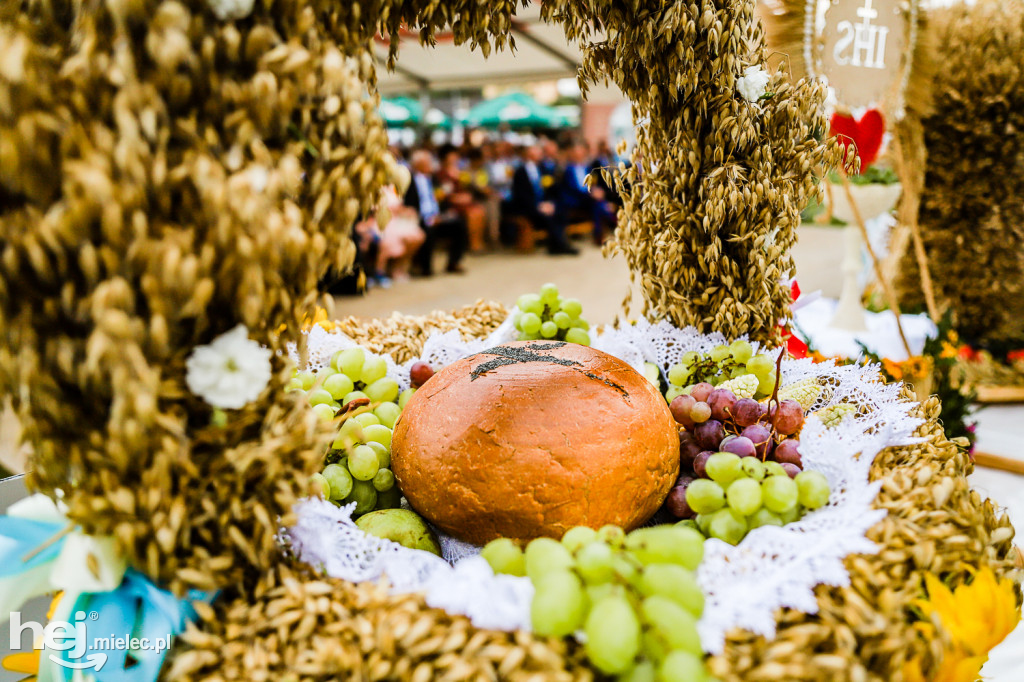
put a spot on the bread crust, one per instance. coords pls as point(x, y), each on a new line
point(531, 438)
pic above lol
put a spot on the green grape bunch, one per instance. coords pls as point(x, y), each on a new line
point(549, 316)
point(748, 375)
point(633, 597)
point(356, 391)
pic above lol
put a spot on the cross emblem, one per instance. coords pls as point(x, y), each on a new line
point(867, 13)
point(535, 352)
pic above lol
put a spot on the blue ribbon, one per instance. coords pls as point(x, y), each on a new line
point(19, 537)
point(137, 610)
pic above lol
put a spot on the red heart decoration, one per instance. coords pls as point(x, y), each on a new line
point(865, 134)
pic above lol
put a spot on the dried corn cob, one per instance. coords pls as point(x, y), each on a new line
point(743, 387)
point(833, 415)
point(805, 392)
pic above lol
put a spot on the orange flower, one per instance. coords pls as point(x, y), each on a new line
point(893, 369)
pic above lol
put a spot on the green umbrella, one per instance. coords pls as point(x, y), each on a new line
point(406, 111)
point(517, 110)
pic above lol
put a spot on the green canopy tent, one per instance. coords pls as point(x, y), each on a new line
point(402, 111)
point(516, 110)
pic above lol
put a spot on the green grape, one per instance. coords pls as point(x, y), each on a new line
point(383, 480)
point(530, 303)
point(403, 399)
point(673, 582)
point(548, 293)
point(324, 412)
point(791, 515)
point(754, 468)
point(644, 671)
point(306, 379)
point(577, 336)
point(545, 555)
point(764, 517)
point(773, 468)
point(683, 666)
point(549, 330)
point(679, 374)
point(724, 468)
point(379, 433)
point(744, 495)
point(572, 307)
point(688, 523)
point(517, 317)
point(349, 362)
point(728, 526)
point(780, 493)
point(366, 419)
point(364, 495)
point(559, 604)
point(760, 366)
point(388, 414)
point(504, 556)
point(581, 324)
point(672, 623)
point(339, 480)
point(383, 453)
point(338, 385)
point(319, 396)
point(741, 351)
point(812, 489)
point(354, 395)
point(667, 544)
point(690, 358)
point(674, 392)
point(531, 323)
point(575, 538)
point(705, 496)
point(382, 390)
point(374, 368)
point(350, 433)
point(596, 593)
point(766, 385)
point(325, 373)
point(389, 499)
point(719, 353)
point(703, 522)
point(738, 372)
point(613, 635)
point(294, 384)
point(363, 463)
point(562, 320)
point(594, 563)
point(624, 568)
point(613, 535)
point(652, 645)
point(319, 485)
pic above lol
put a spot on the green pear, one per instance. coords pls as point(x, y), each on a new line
point(405, 527)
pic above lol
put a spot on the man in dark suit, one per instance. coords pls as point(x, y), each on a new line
point(436, 224)
point(528, 201)
point(575, 201)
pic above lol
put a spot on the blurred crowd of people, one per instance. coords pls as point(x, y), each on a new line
point(478, 198)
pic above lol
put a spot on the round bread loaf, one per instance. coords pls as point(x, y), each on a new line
point(531, 438)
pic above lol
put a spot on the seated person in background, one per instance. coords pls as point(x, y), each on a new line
point(402, 237)
point(437, 225)
point(477, 180)
point(577, 203)
point(528, 201)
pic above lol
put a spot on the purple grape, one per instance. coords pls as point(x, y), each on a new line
point(786, 452)
point(709, 434)
point(688, 449)
point(791, 469)
point(760, 436)
point(746, 411)
point(701, 391)
point(700, 413)
point(699, 463)
point(763, 407)
point(721, 401)
point(738, 445)
point(676, 502)
point(788, 417)
point(680, 408)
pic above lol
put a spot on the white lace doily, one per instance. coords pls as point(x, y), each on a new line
point(744, 585)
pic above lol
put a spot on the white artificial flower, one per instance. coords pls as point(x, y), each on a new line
point(229, 10)
point(230, 372)
point(753, 84)
point(88, 564)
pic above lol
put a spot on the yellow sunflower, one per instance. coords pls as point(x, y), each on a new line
point(976, 617)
